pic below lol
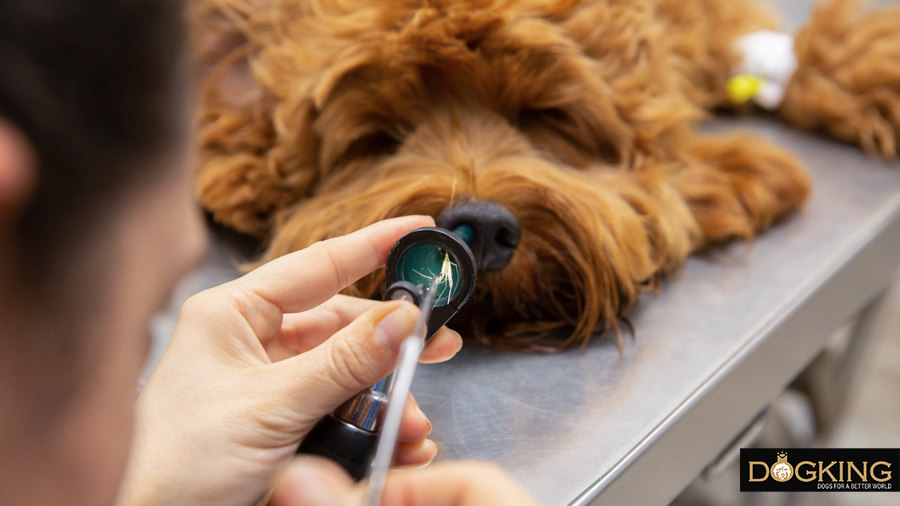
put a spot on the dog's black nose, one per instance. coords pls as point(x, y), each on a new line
point(495, 231)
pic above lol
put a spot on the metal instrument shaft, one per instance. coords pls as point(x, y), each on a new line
point(410, 351)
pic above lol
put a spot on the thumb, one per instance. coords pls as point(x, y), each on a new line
point(353, 359)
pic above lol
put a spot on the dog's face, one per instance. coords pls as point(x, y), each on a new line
point(390, 108)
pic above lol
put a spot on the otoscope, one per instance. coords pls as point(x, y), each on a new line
point(433, 268)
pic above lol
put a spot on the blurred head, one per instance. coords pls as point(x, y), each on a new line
point(96, 225)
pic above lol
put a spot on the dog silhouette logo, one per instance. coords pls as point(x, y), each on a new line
point(782, 470)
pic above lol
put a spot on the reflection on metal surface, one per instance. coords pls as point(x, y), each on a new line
point(365, 410)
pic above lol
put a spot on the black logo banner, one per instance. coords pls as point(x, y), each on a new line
point(820, 469)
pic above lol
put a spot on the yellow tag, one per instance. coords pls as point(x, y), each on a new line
point(742, 88)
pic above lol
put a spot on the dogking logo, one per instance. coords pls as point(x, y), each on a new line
point(820, 469)
point(782, 470)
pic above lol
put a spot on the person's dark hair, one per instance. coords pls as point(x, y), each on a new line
point(99, 89)
point(95, 85)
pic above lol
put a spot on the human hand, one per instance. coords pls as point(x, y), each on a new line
point(313, 481)
point(255, 363)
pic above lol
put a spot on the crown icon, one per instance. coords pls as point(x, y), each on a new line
point(782, 455)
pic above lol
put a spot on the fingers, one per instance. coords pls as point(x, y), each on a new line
point(301, 332)
point(413, 449)
point(355, 358)
point(310, 481)
point(415, 455)
point(441, 347)
point(307, 278)
point(454, 484)
point(414, 426)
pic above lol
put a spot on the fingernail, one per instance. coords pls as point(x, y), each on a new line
point(424, 418)
point(426, 452)
point(459, 340)
point(396, 326)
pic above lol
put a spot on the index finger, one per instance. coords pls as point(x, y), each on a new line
point(306, 278)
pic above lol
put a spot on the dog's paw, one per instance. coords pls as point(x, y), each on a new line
point(741, 184)
point(847, 81)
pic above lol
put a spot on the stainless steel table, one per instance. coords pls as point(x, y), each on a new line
point(721, 340)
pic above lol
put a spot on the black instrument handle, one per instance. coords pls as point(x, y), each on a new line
point(351, 447)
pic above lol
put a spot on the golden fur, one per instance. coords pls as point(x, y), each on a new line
point(320, 117)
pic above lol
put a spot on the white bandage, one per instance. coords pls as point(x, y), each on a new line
point(768, 55)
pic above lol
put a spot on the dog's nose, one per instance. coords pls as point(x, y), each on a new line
point(495, 231)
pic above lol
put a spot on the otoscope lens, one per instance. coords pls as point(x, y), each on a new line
point(422, 262)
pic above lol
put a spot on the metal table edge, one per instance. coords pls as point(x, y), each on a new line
point(620, 484)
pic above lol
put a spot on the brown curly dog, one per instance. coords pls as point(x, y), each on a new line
point(561, 131)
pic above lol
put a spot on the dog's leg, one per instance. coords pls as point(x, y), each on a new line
point(848, 78)
point(736, 185)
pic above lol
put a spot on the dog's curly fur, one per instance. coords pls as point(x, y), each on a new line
point(320, 117)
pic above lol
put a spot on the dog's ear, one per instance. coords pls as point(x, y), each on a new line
point(250, 168)
point(223, 49)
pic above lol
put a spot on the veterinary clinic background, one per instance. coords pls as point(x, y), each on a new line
point(643, 252)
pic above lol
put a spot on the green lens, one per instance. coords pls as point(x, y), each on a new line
point(420, 263)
